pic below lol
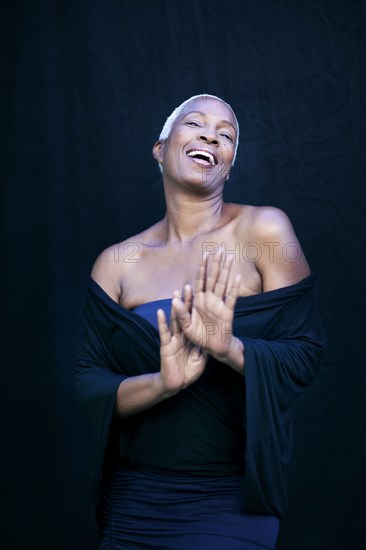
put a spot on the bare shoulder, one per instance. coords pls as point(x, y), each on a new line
point(116, 262)
point(261, 219)
point(105, 271)
point(279, 257)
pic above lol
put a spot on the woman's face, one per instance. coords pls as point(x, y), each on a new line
point(201, 145)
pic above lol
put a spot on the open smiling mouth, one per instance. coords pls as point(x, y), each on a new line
point(202, 156)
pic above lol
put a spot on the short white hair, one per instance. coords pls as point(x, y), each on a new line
point(169, 123)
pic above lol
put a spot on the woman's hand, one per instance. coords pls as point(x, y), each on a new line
point(209, 322)
point(182, 362)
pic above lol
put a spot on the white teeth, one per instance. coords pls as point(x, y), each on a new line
point(209, 156)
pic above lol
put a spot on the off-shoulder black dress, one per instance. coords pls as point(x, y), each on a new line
point(207, 467)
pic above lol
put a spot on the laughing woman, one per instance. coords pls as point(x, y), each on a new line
point(197, 342)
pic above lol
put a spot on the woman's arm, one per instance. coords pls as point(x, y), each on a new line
point(137, 393)
point(181, 362)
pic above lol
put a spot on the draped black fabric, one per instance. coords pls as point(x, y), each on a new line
point(284, 341)
point(85, 88)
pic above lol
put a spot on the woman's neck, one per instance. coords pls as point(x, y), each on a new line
point(189, 215)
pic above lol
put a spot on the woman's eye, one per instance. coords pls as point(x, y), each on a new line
point(227, 136)
point(192, 123)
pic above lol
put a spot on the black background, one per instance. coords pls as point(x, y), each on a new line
point(85, 89)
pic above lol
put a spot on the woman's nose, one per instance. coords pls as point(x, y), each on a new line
point(209, 138)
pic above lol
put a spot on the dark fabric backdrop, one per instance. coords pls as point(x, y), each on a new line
point(85, 89)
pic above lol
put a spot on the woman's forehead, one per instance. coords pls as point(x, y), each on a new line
point(207, 106)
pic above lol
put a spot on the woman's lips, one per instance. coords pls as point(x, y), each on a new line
point(201, 161)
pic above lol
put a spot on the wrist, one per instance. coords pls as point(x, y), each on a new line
point(234, 355)
point(160, 388)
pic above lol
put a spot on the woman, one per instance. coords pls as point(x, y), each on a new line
point(192, 396)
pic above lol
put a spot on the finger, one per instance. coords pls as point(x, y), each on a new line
point(188, 298)
point(174, 325)
point(212, 272)
point(164, 331)
point(233, 293)
point(182, 315)
point(222, 281)
point(201, 276)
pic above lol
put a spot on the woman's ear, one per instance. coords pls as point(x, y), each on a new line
point(158, 150)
